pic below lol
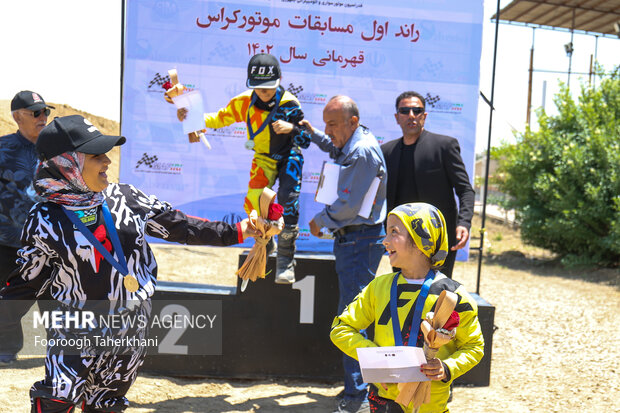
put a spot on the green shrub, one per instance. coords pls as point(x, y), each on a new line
point(564, 179)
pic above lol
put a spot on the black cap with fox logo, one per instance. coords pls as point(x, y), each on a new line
point(263, 72)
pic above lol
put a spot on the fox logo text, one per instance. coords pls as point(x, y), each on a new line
point(260, 70)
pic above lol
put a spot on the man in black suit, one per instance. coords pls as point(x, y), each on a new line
point(426, 167)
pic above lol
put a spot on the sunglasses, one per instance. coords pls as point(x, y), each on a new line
point(37, 113)
point(406, 109)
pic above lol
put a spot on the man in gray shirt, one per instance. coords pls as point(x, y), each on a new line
point(357, 242)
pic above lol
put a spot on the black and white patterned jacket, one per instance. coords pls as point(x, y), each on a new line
point(58, 259)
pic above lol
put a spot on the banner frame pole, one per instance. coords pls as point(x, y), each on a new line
point(488, 160)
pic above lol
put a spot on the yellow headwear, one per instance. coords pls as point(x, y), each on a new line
point(427, 227)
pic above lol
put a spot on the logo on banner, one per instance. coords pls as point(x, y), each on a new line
point(311, 98)
point(295, 90)
point(156, 85)
point(152, 164)
point(158, 80)
point(229, 132)
point(310, 177)
point(166, 9)
point(304, 234)
point(436, 104)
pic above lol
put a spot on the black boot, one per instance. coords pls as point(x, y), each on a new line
point(285, 258)
point(271, 246)
point(44, 405)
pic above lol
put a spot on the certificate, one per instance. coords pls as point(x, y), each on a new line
point(397, 364)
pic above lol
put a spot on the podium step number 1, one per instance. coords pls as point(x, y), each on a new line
point(306, 297)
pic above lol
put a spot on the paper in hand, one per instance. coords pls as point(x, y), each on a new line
point(396, 364)
point(192, 101)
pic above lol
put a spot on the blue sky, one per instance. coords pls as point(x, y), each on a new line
point(69, 51)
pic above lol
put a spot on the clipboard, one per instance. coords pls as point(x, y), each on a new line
point(327, 188)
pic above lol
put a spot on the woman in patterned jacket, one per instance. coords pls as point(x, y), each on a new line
point(85, 244)
point(417, 243)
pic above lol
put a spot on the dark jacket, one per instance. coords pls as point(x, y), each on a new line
point(439, 172)
point(18, 161)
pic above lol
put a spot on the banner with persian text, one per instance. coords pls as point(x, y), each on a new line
point(371, 50)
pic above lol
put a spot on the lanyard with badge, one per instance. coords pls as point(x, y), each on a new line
point(129, 281)
point(417, 314)
point(249, 144)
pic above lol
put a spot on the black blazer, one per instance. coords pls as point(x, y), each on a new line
point(439, 172)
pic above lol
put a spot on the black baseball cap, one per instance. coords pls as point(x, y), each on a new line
point(263, 72)
point(73, 133)
point(28, 100)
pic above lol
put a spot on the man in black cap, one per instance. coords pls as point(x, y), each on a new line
point(272, 117)
point(18, 160)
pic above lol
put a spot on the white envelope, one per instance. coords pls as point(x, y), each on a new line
point(396, 364)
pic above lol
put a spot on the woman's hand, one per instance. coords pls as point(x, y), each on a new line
point(248, 229)
point(282, 127)
point(434, 369)
point(181, 114)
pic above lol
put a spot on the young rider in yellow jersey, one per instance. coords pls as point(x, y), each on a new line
point(417, 243)
point(272, 117)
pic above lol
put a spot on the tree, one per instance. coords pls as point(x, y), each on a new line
point(564, 179)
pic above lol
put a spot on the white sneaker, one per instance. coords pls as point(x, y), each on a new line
point(285, 270)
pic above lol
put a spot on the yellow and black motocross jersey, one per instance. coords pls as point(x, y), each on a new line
point(267, 142)
point(372, 305)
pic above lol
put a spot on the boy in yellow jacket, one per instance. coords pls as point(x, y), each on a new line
point(272, 116)
point(417, 243)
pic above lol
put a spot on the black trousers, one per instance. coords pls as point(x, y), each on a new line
point(289, 178)
point(8, 258)
point(448, 265)
point(380, 404)
point(13, 337)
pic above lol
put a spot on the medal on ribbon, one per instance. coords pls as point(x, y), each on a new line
point(249, 145)
point(129, 281)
